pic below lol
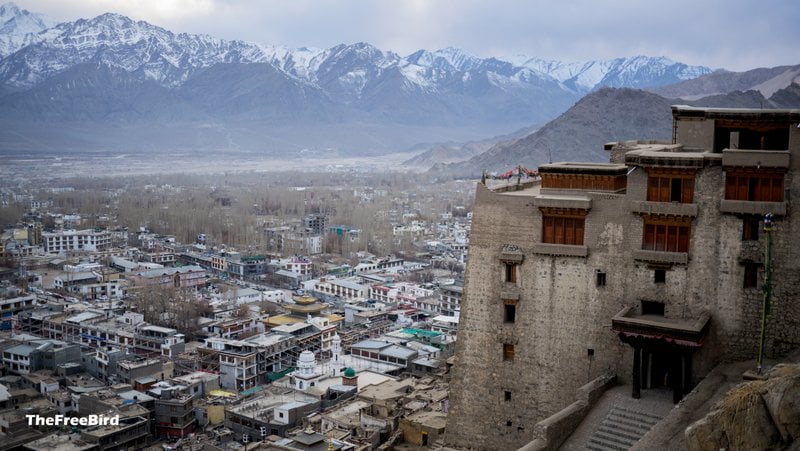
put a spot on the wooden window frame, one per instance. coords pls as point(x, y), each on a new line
point(662, 183)
point(564, 226)
point(508, 352)
point(755, 185)
point(666, 234)
point(750, 228)
point(510, 272)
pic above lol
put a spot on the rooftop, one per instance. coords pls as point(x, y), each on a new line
point(170, 271)
point(24, 350)
point(584, 168)
point(61, 442)
point(283, 319)
point(737, 113)
point(686, 332)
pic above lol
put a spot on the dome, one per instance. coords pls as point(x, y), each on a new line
point(306, 362)
point(349, 372)
point(307, 357)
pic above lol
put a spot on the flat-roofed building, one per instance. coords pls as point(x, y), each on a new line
point(664, 247)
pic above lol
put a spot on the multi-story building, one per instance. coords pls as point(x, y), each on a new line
point(174, 414)
point(315, 224)
point(11, 307)
point(157, 340)
point(91, 285)
point(273, 412)
point(76, 240)
point(346, 289)
point(664, 247)
point(35, 355)
point(243, 364)
point(162, 258)
point(181, 277)
point(94, 329)
point(299, 265)
point(450, 297)
point(130, 369)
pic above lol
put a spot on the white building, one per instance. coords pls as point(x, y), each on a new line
point(298, 265)
point(347, 289)
point(76, 240)
point(306, 375)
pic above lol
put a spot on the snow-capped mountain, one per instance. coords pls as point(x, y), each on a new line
point(113, 68)
point(169, 59)
point(18, 27)
point(119, 42)
point(634, 72)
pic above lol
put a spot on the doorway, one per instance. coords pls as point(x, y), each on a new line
point(657, 372)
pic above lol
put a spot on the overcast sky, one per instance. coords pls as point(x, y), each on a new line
point(731, 34)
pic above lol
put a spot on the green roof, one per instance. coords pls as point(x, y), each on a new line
point(273, 376)
point(349, 372)
point(421, 332)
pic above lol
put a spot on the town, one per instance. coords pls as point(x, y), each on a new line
point(330, 324)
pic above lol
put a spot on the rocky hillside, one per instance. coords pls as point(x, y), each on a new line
point(761, 414)
point(600, 117)
point(764, 80)
point(455, 152)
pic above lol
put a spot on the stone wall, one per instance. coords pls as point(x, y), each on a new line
point(562, 313)
point(551, 432)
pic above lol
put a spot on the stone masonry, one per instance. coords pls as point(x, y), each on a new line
point(509, 375)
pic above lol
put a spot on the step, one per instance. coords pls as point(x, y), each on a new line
point(598, 447)
point(633, 417)
point(634, 412)
point(624, 428)
point(613, 439)
point(598, 442)
point(645, 416)
point(644, 427)
point(606, 429)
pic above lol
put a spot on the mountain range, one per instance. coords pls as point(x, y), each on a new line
point(113, 83)
point(605, 115)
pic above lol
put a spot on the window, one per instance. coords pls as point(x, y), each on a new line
point(564, 228)
point(660, 276)
point(750, 275)
point(508, 352)
point(601, 279)
point(760, 137)
point(753, 184)
point(670, 186)
point(666, 234)
point(507, 395)
point(652, 308)
point(510, 313)
point(750, 225)
point(511, 273)
point(508, 423)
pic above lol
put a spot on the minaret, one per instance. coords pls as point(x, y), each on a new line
point(336, 356)
point(305, 376)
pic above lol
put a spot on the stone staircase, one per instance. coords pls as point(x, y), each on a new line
point(621, 429)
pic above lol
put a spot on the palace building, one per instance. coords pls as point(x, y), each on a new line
point(650, 268)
